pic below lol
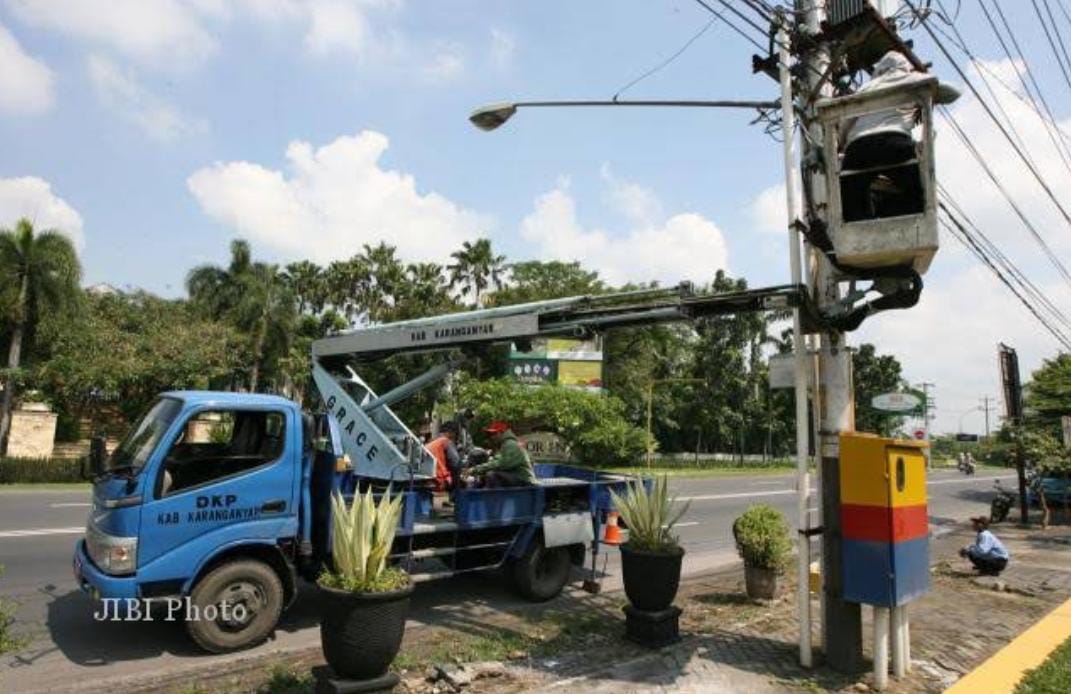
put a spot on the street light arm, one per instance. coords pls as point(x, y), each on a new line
point(492, 116)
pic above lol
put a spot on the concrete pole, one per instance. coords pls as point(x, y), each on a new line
point(881, 648)
point(841, 621)
point(906, 633)
point(897, 642)
point(803, 475)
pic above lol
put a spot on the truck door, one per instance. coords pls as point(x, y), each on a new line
point(227, 476)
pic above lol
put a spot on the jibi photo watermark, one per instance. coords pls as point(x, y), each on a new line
point(167, 610)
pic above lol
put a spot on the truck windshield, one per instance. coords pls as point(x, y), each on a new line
point(138, 445)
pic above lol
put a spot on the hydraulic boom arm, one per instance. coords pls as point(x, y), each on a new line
point(381, 446)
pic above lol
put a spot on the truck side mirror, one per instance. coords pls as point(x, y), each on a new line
point(97, 453)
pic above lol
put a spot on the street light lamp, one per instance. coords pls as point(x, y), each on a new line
point(492, 116)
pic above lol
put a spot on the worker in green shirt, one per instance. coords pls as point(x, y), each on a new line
point(510, 466)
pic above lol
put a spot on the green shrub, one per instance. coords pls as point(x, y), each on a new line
point(649, 514)
point(762, 538)
point(594, 426)
point(34, 470)
point(8, 641)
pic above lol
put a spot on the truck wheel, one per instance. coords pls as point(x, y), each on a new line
point(234, 606)
point(541, 573)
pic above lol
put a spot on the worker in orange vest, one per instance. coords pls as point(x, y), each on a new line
point(447, 459)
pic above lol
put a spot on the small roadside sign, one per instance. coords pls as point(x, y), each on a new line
point(920, 434)
point(895, 402)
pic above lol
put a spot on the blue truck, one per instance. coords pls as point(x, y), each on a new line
point(216, 500)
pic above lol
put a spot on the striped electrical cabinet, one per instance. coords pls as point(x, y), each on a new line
point(883, 519)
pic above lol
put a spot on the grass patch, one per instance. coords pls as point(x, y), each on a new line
point(548, 635)
point(8, 640)
point(283, 680)
point(1051, 677)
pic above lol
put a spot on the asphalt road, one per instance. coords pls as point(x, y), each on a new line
point(69, 649)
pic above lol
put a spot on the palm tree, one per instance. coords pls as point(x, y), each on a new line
point(39, 274)
point(476, 268)
point(266, 311)
point(215, 289)
point(306, 279)
point(255, 297)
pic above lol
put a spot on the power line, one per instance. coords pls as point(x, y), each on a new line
point(1064, 67)
point(660, 66)
point(734, 27)
point(966, 141)
point(961, 43)
point(953, 226)
point(989, 111)
point(1004, 260)
point(1052, 128)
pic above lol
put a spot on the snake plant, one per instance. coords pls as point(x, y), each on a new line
point(362, 537)
point(650, 514)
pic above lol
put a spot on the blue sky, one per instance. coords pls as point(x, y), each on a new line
point(154, 131)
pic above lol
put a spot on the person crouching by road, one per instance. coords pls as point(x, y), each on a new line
point(988, 554)
point(447, 460)
point(510, 465)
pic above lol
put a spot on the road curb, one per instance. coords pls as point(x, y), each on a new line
point(1001, 672)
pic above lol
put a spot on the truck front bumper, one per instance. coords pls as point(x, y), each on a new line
point(97, 583)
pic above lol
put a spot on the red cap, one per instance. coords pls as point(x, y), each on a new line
point(497, 427)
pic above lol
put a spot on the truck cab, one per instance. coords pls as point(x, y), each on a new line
point(201, 500)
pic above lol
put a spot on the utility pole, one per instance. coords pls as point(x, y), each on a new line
point(799, 346)
point(842, 629)
point(985, 406)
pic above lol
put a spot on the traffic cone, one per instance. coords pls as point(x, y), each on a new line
point(612, 534)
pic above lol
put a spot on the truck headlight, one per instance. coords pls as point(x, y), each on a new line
point(112, 554)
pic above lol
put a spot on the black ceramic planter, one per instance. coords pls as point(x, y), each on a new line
point(651, 578)
point(362, 632)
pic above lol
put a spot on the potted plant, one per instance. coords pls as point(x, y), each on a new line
point(651, 559)
point(366, 601)
point(762, 539)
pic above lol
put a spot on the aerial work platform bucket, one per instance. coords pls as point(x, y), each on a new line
point(900, 229)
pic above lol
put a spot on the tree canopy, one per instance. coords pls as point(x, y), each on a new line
point(248, 324)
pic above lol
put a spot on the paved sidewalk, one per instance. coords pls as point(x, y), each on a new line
point(733, 646)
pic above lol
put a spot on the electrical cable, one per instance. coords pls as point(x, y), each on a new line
point(1056, 135)
point(1026, 66)
point(951, 224)
point(1004, 260)
point(733, 26)
point(989, 111)
point(958, 130)
point(961, 43)
point(658, 68)
point(1065, 60)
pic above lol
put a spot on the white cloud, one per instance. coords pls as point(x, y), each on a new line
point(767, 211)
point(32, 197)
point(950, 338)
point(120, 90)
point(331, 200)
point(961, 175)
point(684, 247)
point(638, 204)
point(336, 25)
point(25, 83)
point(161, 33)
point(447, 62)
point(503, 48)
